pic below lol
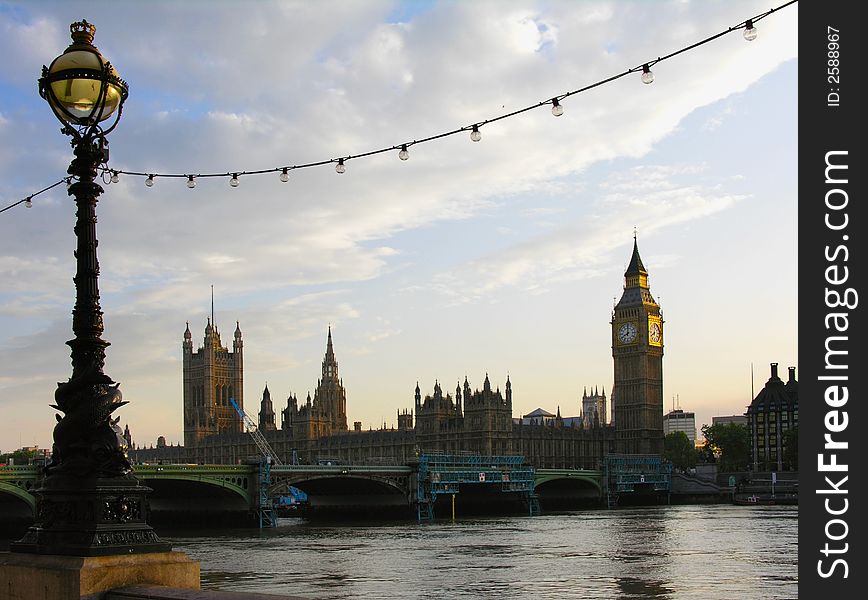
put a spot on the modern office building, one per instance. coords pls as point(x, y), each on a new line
point(679, 420)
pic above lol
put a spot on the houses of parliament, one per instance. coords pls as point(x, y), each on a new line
point(466, 421)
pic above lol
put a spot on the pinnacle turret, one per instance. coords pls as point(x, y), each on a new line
point(636, 289)
point(330, 351)
point(635, 267)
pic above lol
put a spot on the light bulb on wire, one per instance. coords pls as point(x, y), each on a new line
point(149, 181)
point(749, 30)
point(234, 181)
point(647, 75)
point(115, 177)
point(475, 135)
point(191, 183)
point(557, 109)
point(28, 202)
point(404, 154)
point(284, 175)
point(340, 168)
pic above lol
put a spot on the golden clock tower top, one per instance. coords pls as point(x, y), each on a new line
point(636, 275)
point(636, 291)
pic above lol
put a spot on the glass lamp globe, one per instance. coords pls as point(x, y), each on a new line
point(80, 85)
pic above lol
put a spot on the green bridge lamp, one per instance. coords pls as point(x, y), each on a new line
point(90, 502)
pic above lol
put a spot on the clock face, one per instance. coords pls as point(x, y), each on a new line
point(627, 333)
point(655, 334)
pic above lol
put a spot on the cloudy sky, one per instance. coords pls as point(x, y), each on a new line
point(501, 257)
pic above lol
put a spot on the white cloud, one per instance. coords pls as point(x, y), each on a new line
point(650, 198)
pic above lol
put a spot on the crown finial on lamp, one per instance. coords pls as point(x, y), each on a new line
point(82, 32)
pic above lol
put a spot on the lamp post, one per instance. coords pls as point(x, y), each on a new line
point(90, 503)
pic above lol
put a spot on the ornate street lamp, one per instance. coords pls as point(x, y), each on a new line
point(90, 503)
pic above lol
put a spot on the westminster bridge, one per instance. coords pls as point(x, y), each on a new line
point(207, 494)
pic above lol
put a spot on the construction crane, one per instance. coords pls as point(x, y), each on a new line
point(265, 509)
point(257, 436)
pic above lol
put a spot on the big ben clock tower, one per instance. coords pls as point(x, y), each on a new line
point(637, 350)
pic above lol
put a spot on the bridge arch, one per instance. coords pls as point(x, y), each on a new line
point(590, 479)
point(20, 493)
point(566, 489)
point(331, 494)
point(236, 479)
point(198, 494)
point(313, 483)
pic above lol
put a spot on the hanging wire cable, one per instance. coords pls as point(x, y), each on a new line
point(748, 25)
point(29, 199)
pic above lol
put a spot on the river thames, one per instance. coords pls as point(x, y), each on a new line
point(720, 552)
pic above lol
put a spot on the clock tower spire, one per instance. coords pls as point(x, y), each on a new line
point(637, 350)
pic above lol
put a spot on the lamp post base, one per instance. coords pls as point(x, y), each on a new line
point(99, 517)
point(88, 578)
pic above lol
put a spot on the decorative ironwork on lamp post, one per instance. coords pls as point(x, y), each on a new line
point(90, 502)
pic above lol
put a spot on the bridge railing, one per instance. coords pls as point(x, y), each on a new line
point(342, 469)
point(191, 468)
point(470, 460)
point(18, 471)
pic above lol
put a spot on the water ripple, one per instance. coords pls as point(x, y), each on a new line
point(654, 553)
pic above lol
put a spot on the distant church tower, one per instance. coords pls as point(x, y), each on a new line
point(212, 375)
point(637, 350)
point(330, 396)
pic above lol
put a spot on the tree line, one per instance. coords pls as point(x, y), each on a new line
point(727, 445)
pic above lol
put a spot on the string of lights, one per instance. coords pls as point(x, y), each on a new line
point(28, 201)
point(647, 77)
